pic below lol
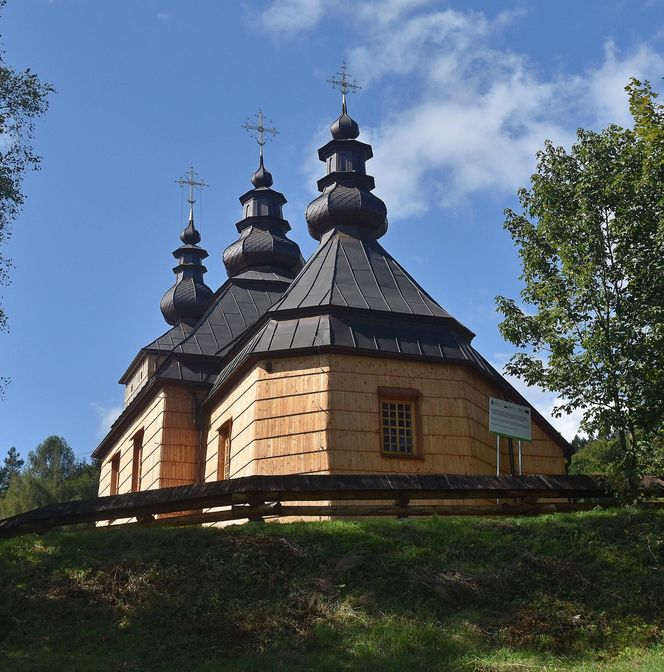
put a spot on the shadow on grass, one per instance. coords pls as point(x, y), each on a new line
point(431, 594)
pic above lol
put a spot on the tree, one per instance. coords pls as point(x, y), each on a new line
point(23, 98)
point(52, 474)
point(10, 468)
point(591, 244)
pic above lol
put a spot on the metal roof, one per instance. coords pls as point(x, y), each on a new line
point(353, 295)
point(353, 272)
point(238, 304)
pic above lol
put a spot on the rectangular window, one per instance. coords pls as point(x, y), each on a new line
point(115, 474)
point(224, 454)
point(398, 426)
point(399, 421)
point(137, 462)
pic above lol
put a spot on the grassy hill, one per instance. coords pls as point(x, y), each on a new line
point(557, 593)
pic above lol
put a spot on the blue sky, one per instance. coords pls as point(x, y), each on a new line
point(457, 97)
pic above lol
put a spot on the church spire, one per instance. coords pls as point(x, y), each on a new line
point(261, 178)
point(187, 299)
point(346, 200)
point(263, 245)
point(344, 128)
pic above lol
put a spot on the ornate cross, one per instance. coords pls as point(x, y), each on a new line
point(258, 130)
point(342, 81)
point(190, 179)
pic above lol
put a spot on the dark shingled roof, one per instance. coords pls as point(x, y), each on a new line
point(166, 342)
point(238, 304)
point(353, 272)
point(353, 295)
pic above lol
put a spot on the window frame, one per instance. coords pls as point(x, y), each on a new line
point(224, 434)
point(137, 461)
point(115, 474)
point(403, 395)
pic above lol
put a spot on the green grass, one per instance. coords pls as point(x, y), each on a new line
point(560, 593)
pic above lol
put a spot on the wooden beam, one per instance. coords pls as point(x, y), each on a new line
point(388, 510)
point(302, 487)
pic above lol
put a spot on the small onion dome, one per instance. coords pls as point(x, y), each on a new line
point(346, 199)
point(342, 205)
point(262, 177)
point(344, 128)
point(263, 246)
point(185, 301)
point(188, 298)
point(190, 236)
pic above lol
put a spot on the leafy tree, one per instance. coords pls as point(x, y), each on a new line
point(23, 98)
point(10, 468)
point(52, 474)
point(594, 457)
point(591, 243)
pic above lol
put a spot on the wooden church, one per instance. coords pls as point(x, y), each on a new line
point(340, 365)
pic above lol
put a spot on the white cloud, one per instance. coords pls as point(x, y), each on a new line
point(387, 11)
point(106, 415)
point(470, 117)
point(475, 116)
point(164, 17)
point(285, 18)
point(606, 84)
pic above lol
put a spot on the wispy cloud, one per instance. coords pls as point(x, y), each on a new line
point(106, 416)
point(286, 18)
point(605, 85)
point(470, 117)
point(476, 116)
point(164, 17)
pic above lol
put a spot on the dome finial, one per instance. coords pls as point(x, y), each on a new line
point(190, 236)
point(344, 128)
point(262, 133)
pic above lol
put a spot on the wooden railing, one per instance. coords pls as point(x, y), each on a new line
point(260, 497)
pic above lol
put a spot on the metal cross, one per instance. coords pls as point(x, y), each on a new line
point(343, 82)
point(190, 179)
point(261, 132)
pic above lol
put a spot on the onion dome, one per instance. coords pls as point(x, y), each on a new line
point(346, 199)
point(186, 300)
point(262, 177)
point(344, 128)
point(263, 245)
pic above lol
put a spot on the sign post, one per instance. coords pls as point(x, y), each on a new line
point(510, 420)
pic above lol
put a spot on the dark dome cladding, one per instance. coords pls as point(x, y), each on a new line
point(262, 177)
point(263, 244)
point(186, 300)
point(344, 128)
point(346, 199)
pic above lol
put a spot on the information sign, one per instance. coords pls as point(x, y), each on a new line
point(507, 419)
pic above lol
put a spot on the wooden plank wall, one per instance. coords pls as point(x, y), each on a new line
point(170, 441)
point(279, 420)
point(454, 413)
point(140, 377)
point(540, 456)
point(151, 422)
point(180, 438)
